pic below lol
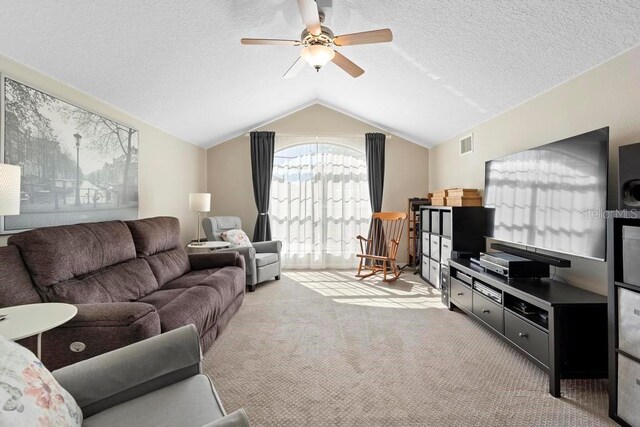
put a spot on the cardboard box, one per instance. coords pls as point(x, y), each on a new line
point(440, 194)
point(463, 192)
point(463, 201)
point(438, 201)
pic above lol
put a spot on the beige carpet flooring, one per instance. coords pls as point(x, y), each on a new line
point(324, 349)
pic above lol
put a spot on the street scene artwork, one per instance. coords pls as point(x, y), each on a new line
point(76, 166)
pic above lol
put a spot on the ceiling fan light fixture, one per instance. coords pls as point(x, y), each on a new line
point(317, 41)
point(317, 55)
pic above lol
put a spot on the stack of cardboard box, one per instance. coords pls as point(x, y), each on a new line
point(463, 197)
point(438, 198)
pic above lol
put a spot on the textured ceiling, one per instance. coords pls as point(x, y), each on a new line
point(179, 64)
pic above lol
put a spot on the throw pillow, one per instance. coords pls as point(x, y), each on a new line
point(237, 238)
point(29, 394)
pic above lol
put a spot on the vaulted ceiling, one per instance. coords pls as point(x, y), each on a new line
point(179, 64)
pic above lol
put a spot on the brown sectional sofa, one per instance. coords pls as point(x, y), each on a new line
point(130, 281)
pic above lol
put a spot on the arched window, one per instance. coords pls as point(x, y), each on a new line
point(319, 201)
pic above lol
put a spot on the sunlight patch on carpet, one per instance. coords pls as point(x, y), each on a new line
point(344, 288)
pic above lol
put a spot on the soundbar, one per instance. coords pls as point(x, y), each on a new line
point(534, 256)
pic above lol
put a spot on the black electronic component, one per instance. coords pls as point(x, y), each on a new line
point(513, 266)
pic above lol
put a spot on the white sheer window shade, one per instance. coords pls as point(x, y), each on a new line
point(319, 200)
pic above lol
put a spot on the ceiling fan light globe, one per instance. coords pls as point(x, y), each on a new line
point(317, 55)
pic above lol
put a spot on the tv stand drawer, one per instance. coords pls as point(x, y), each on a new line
point(460, 294)
point(488, 311)
point(527, 337)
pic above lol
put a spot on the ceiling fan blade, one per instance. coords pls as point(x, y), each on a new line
point(295, 68)
point(310, 16)
point(347, 65)
point(366, 37)
point(279, 42)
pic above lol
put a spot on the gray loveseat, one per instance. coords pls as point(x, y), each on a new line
point(155, 382)
point(262, 261)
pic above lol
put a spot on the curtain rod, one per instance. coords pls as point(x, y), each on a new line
point(337, 135)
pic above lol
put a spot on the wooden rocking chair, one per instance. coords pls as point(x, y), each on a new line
point(380, 249)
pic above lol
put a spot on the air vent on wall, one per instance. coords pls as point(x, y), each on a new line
point(466, 144)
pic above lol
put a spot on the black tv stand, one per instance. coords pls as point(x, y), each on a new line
point(560, 328)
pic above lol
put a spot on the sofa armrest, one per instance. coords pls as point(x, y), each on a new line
point(109, 314)
point(216, 259)
point(273, 246)
point(249, 260)
point(132, 371)
point(235, 419)
point(248, 252)
point(96, 329)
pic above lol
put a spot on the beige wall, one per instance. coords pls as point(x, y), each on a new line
point(608, 95)
point(169, 167)
point(229, 164)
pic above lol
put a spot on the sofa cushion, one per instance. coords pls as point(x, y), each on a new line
point(263, 259)
point(158, 241)
point(160, 298)
point(199, 305)
point(229, 282)
point(169, 265)
point(153, 235)
point(190, 279)
point(128, 281)
point(16, 287)
point(55, 254)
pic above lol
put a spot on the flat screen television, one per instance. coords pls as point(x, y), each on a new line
point(552, 197)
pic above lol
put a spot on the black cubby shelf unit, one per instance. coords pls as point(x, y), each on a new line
point(623, 260)
point(448, 232)
point(560, 328)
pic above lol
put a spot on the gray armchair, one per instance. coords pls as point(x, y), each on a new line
point(262, 260)
point(153, 382)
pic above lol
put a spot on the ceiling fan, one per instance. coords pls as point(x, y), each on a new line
point(318, 41)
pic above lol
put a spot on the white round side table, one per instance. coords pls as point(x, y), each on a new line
point(207, 246)
point(22, 321)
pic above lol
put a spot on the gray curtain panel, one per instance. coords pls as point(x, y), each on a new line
point(262, 151)
point(374, 149)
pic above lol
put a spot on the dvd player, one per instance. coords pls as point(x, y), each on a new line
point(513, 266)
point(488, 291)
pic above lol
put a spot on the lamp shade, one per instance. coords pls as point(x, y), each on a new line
point(317, 55)
point(9, 189)
point(200, 202)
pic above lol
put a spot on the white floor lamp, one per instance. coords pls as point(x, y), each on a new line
point(9, 189)
point(199, 202)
